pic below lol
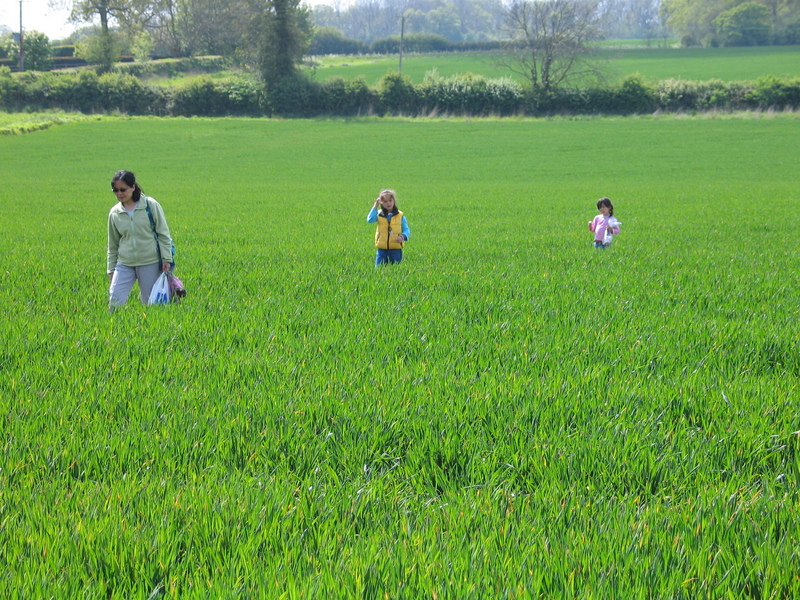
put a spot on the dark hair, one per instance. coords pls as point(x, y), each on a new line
point(394, 197)
point(606, 202)
point(129, 178)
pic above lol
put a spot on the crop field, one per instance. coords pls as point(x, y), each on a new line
point(654, 64)
point(508, 413)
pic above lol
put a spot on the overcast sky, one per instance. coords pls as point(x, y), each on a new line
point(38, 16)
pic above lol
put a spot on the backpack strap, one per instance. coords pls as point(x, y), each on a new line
point(153, 227)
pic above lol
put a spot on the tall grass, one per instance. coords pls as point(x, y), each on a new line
point(508, 413)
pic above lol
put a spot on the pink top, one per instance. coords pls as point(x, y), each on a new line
point(600, 225)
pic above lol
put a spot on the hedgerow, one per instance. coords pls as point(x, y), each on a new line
point(394, 94)
point(173, 67)
point(85, 91)
point(471, 94)
point(204, 97)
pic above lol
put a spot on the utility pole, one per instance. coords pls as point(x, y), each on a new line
point(402, 29)
point(21, 41)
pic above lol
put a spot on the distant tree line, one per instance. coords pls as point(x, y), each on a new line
point(471, 20)
point(698, 22)
point(273, 35)
point(734, 23)
point(270, 35)
point(706, 22)
point(328, 40)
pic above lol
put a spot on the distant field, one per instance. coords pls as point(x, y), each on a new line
point(509, 413)
point(728, 64)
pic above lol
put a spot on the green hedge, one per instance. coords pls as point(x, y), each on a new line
point(172, 67)
point(471, 95)
point(429, 42)
point(415, 42)
point(82, 92)
point(328, 40)
point(204, 97)
point(63, 51)
point(394, 94)
point(347, 97)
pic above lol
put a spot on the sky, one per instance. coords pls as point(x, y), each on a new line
point(37, 15)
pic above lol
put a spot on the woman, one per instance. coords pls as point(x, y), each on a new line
point(392, 232)
point(133, 254)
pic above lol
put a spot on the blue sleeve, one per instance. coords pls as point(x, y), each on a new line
point(406, 230)
point(372, 217)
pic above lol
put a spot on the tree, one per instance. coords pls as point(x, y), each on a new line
point(785, 16)
point(444, 21)
point(280, 31)
point(101, 49)
point(38, 52)
point(132, 16)
point(329, 40)
point(744, 25)
point(693, 20)
point(475, 17)
point(212, 26)
point(142, 46)
point(630, 18)
point(84, 11)
point(549, 41)
point(370, 20)
point(165, 28)
point(696, 20)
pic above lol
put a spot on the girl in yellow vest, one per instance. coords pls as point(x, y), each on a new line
point(392, 232)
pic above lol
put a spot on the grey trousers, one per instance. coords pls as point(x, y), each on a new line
point(122, 283)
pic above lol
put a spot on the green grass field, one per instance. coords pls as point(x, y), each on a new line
point(727, 64)
point(654, 64)
point(509, 413)
point(15, 123)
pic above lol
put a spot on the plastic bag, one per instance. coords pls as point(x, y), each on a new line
point(160, 292)
point(609, 236)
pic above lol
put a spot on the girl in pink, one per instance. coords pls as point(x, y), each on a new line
point(604, 225)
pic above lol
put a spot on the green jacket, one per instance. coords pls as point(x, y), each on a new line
point(130, 238)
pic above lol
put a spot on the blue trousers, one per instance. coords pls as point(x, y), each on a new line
point(383, 257)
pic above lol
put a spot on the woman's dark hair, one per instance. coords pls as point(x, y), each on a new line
point(606, 202)
point(129, 178)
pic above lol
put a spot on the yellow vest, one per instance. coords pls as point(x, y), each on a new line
point(387, 232)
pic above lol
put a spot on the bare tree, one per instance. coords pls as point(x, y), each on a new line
point(549, 41)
